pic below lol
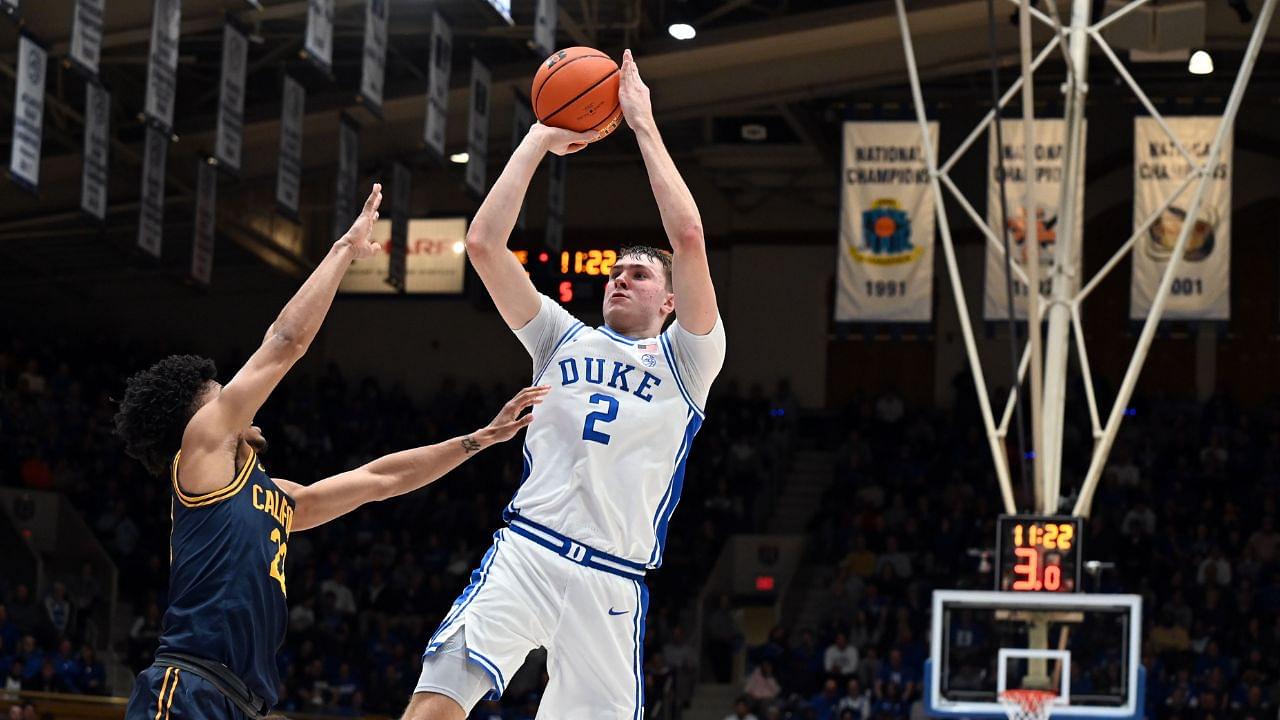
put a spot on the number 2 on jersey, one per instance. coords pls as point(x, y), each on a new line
point(608, 415)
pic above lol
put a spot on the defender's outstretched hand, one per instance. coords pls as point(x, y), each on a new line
point(360, 235)
point(509, 420)
point(633, 94)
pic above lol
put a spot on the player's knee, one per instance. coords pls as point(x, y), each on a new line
point(433, 706)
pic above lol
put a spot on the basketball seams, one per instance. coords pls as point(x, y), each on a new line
point(562, 64)
point(577, 97)
point(607, 118)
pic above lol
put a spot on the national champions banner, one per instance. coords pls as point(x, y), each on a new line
point(885, 268)
point(1049, 148)
point(1201, 289)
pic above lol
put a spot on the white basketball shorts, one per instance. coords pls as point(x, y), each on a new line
point(536, 587)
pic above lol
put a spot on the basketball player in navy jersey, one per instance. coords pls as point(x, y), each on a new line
point(231, 520)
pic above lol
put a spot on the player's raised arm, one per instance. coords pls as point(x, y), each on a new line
point(503, 277)
point(406, 471)
point(214, 425)
point(691, 275)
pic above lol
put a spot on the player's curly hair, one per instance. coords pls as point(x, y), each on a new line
point(663, 257)
point(158, 402)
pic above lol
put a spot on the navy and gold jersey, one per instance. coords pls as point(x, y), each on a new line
point(226, 578)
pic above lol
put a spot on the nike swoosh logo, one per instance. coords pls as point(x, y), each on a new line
point(617, 612)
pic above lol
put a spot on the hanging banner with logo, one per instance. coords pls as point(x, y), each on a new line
point(28, 114)
point(885, 267)
point(162, 62)
point(151, 216)
point(235, 57)
point(400, 195)
point(438, 85)
point(97, 124)
point(289, 162)
point(318, 46)
point(1049, 158)
point(86, 36)
point(478, 128)
point(1201, 289)
point(344, 192)
point(10, 7)
point(373, 70)
point(521, 121)
point(556, 171)
point(206, 222)
point(544, 27)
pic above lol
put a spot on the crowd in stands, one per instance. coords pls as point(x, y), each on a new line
point(1187, 512)
point(367, 590)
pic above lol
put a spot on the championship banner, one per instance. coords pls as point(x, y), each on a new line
point(373, 70)
point(521, 121)
point(86, 36)
point(435, 263)
point(289, 162)
point(1050, 156)
point(151, 216)
point(478, 128)
point(1201, 290)
point(544, 27)
point(235, 57)
point(344, 193)
point(400, 198)
point(556, 171)
point(93, 177)
point(28, 114)
point(318, 46)
point(206, 222)
point(162, 62)
point(885, 267)
point(438, 85)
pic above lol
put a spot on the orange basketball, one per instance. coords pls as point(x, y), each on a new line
point(577, 89)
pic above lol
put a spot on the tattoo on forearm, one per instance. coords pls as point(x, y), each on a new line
point(469, 445)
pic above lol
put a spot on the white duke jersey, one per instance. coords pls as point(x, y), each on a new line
point(604, 458)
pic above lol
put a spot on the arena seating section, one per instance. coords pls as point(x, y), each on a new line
point(1187, 512)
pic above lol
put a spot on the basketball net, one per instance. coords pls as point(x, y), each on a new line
point(1022, 704)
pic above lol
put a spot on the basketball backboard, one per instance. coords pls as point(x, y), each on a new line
point(1084, 648)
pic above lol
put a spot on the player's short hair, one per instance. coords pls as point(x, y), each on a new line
point(663, 257)
point(157, 405)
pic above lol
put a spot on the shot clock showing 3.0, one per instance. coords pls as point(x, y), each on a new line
point(1038, 553)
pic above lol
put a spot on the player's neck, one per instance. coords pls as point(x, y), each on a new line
point(636, 332)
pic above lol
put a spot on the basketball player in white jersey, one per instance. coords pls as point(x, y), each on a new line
point(604, 457)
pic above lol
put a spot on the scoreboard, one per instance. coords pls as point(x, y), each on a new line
point(571, 276)
point(1038, 553)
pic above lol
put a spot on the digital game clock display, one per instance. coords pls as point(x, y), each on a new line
point(1038, 553)
point(574, 277)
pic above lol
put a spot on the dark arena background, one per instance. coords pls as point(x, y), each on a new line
point(870, 525)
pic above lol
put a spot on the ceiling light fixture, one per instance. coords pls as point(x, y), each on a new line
point(1200, 63)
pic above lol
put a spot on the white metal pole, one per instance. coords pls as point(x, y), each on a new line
point(1103, 447)
point(1067, 251)
point(1031, 248)
point(998, 456)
